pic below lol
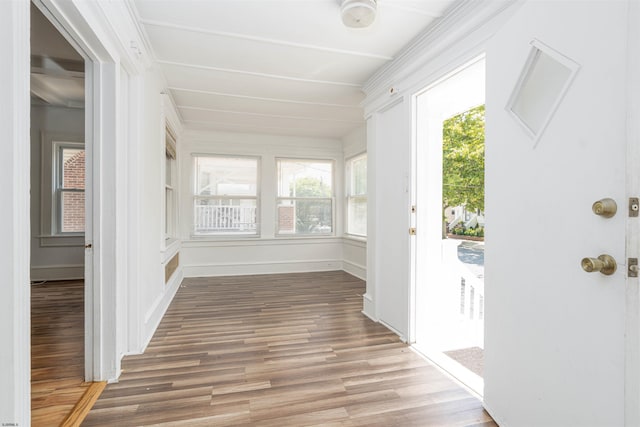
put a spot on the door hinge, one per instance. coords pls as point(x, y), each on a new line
point(412, 231)
point(634, 206)
point(632, 267)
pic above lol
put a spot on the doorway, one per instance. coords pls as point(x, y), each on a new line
point(58, 177)
point(449, 249)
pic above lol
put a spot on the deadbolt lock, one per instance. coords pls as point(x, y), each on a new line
point(605, 264)
point(605, 208)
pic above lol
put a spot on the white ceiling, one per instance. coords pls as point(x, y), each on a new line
point(287, 67)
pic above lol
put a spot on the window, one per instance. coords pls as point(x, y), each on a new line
point(305, 197)
point(357, 195)
point(68, 200)
point(225, 199)
point(169, 192)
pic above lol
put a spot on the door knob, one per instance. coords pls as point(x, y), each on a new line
point(605, 264)
point(605, 208)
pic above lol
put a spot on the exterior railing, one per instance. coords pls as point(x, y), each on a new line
point(224, 218)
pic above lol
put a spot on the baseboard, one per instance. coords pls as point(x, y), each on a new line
point(57, 272)
point(155, 314)
point(360, 271)
point(277, 267)
point(368, 308)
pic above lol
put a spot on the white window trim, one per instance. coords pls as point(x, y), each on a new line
point(332, 199)
point(348, 188)
point(230, 235)
point(49, 235)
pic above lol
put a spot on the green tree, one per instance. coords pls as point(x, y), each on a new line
point(463, 160)
point(309, 187)
point(311, 215)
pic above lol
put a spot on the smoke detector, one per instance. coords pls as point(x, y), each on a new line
point(358, 13)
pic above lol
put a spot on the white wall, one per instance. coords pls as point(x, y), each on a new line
point(154, 294)
point(57, 257)
point(15, 391)
point(354, 249)
point(214, 256)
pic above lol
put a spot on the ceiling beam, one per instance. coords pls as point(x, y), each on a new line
point(265, 40)
point(274, 116)
point(257, 98)
point(251, 73)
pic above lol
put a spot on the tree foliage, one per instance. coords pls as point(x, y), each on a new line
point(463, 160)
point(310, 187)
point(311, 215)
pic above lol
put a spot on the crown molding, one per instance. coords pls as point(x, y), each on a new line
point(461, 20)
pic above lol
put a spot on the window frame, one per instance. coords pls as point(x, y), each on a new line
point(332, 199)
point(195, 197)
point(170, 188)
point(349, 196)
point(57, 148)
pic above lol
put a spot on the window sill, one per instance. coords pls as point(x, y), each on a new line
point(62, 240)
point(362, 239)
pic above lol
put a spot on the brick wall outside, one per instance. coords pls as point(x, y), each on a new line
point(286, 219)
point(73, 203)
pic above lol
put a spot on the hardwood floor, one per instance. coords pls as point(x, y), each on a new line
point(57, 350)
point(279, 350)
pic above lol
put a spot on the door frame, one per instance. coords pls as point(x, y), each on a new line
point(427, 223)
point(632, 286)
point(101, 83)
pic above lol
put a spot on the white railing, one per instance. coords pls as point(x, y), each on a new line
point(224, 218)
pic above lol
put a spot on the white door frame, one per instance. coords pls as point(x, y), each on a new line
point(15, 333)
point(632, 315)
point(101, 85)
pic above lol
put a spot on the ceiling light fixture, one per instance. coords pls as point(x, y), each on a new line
point(358, 13)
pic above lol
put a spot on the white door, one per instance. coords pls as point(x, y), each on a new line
point(555, 334)
point(392, 219)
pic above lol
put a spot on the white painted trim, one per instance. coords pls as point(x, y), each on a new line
point(15, 334)
point(265, 40)
point(277, 116)
point(360, 271)
point(395, 331)
point(466, 17)
point(154, 315)
point(258, 98)
point(210, 242)
point(368, 307)
point(252, 73)
point(250, 268)
point(61, 241)
point(57, 272)
point(303, 131)
point(632, 300)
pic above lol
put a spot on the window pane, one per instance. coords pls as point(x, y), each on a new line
point(305, 216)
point(305, 178)
point(359, 176)
point(357, 216)
point(168, 171)
point(72, 168)
point(72, 211)
point(226, 176)
point(225, 215)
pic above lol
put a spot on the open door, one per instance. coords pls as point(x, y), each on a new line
point(556, 142)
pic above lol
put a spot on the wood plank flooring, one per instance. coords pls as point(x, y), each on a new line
point(57, 350)
point(279, 350)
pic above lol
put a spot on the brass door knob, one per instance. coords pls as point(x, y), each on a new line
point(605, 208)
point(605, 264)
